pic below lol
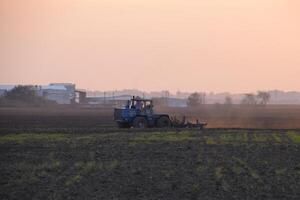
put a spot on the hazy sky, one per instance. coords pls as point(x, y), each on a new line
point(187, 45)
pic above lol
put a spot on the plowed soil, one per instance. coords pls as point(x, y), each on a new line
point(190, 164)
point(80, 154)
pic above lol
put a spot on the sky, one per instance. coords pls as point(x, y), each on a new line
point(194, 45)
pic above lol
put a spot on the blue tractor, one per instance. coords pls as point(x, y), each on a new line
point(138, 113)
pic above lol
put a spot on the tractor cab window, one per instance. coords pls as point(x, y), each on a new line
point(149, 108)
point(139, 105)
point(148, 105)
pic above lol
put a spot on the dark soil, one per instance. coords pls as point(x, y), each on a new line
point(96, 119)
point(56, 119)
point(211, 164)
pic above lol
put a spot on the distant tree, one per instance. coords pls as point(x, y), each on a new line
point(24, 95)
point(193, 100)
point(202, 98)
point(264, 97)
point(249, 99)
point(21, 93)
point(196, 99)
point(165, 94)
point(228, 101)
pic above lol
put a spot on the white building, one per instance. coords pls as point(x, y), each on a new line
point(61, 93)
point(5, 88)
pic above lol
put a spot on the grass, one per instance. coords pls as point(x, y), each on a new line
point(260, 137)
point(294, 136)
point(219, 173)
point(277, 137)
point(200, 169)
point(30, 173)
point(196, 188)
point(84, 168)
point(280, 171)
point(166, 136)
point(73, 179)
point(91, 166)
point(222, 138)
point(225, 137)
point(53, 137)
point(209, 140)
point(247, 168)
point(20, 138)
point(229, 138)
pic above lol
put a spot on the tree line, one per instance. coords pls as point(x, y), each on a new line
point(23, 95)
point(261, 98)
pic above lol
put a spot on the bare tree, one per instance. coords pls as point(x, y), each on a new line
point(193, 100)
point(228, 100)
point(196, 99)
point(203, 97)
point(249, 99)
point(264, 97)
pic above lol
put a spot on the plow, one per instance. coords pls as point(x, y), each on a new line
point(139, 113)
point(184, 123)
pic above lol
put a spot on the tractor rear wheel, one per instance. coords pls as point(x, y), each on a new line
point(140, 122)
point(164, 122)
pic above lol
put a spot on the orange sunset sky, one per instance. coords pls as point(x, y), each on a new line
point(187, 45)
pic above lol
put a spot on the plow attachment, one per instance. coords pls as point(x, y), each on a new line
point(184, 123)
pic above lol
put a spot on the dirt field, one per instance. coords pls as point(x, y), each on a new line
point(237, 116)
point(62, 119)
point(91, 120)
point(80, 154)
point(211, 164)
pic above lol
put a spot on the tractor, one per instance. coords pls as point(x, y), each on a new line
point(138, 113)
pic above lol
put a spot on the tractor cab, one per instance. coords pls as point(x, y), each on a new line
point(138, 113)
point(142, 106)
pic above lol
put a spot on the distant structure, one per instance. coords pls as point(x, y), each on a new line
point(108, 101)
point(66, 93)
point(5, 88)
point(61, 93)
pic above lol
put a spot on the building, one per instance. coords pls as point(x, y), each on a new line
point(110, 101)
point(61, 93)
point(5, 88)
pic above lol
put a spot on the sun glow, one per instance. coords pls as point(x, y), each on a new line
point(192, 45)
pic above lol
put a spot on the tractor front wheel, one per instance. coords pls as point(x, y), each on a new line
point(140, 122)
point(163, 122)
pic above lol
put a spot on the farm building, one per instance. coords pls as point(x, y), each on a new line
point(108, 101)
point(5, 88)
point(61, 93)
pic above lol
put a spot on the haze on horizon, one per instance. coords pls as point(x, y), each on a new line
point(216, 45)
